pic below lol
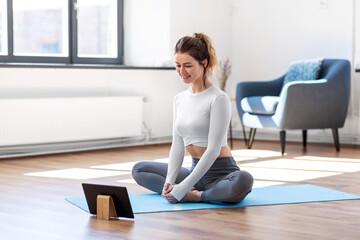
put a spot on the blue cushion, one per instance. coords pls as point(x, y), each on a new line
point(303, 70)
point(265, 105)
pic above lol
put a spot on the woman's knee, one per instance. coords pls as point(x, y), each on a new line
point(246, 179)
point(242, 181)
point(146, 167)
point(241, 187)
point(138, 168)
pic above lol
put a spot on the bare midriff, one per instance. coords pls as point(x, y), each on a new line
point(197, 152)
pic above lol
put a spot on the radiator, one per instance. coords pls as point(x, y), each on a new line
point(54, 120)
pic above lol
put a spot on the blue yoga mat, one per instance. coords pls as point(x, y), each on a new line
point(148, 203)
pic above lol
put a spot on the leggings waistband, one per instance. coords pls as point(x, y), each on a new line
point(218, 159)
point(219, 164)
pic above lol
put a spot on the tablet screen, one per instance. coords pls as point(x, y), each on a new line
point(118, 193)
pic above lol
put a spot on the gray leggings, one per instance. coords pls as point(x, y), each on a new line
point(224, 182)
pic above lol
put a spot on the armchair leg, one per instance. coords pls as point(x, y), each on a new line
point(282, 141)
point(244, 133)
point(304, 134)
point(251, 137)
point(336, 138)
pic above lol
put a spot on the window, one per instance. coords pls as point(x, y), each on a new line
point(3, 29)
point(61, 31)
point(40, 28)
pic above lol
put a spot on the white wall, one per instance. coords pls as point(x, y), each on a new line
point(147, 31)
point(212, 17)
point(353, 123)
point(152, 28)
point(268, 35)
point(357, 34)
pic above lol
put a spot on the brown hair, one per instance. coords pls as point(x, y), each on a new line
point(200, 47)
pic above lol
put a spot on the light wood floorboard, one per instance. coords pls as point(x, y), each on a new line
point(33, 207)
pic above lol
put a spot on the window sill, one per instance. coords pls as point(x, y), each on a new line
point(92, 66)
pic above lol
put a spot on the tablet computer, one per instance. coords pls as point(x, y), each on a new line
point(119, 195)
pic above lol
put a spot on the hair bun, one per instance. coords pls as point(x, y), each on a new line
point(202, 38)
point(198, 36)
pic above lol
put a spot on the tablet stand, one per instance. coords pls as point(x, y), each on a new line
point(105, 207)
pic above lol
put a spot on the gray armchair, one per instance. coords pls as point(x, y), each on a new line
point(312, 104)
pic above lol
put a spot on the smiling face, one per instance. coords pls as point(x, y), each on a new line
point(189, 69)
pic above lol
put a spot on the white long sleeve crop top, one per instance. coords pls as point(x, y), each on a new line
point(199, 119)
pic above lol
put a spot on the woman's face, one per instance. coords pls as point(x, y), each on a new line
point(189, 69)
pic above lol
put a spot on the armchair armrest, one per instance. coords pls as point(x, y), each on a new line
point(311, 104)
point(258, 88)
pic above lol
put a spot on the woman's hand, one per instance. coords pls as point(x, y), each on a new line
point(167, 188)
point(170, 198)
point(167, 195)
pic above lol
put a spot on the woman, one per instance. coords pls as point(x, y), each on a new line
point(201, 119)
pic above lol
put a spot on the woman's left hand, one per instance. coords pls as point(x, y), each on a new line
point(169, 197)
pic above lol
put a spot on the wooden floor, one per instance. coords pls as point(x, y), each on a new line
point(33, 192)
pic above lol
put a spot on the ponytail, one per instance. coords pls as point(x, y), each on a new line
point(212, 59)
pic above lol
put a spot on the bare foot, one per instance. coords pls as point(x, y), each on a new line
point(192, 196)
